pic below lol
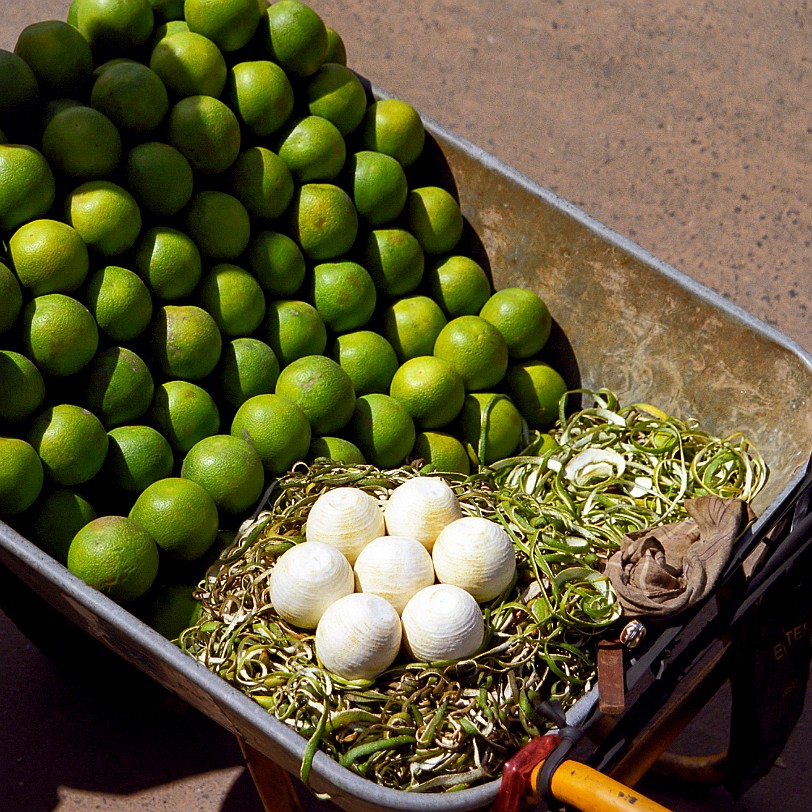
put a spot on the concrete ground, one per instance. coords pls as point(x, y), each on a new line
point(684, 126)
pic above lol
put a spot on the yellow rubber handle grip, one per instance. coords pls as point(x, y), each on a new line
point(588, 790)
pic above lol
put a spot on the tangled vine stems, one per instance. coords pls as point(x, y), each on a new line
point(607, 470)
point(418, 726)
point(444, 726)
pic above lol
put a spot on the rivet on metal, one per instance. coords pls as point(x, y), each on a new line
point(633, 633)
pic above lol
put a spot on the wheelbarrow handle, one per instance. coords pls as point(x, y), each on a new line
point(588, 790)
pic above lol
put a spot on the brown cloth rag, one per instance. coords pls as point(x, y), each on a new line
point(664, 570)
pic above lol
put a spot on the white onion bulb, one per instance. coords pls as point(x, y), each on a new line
point(442, 622)
point(477, 555)
point(308, 578)
point(358, 636)
point(394, 567)
point(345, 518)
point(421, 507)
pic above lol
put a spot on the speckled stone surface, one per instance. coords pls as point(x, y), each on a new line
point(685, 127)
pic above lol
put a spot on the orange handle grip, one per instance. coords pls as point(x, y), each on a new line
point(588, 790)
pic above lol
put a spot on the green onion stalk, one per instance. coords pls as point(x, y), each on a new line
point(566, 500)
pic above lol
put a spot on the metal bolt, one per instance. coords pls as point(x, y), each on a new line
point(632, 634)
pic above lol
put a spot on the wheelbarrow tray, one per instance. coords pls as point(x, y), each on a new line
point(622, 320)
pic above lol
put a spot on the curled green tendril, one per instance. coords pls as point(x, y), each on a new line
point(438, 727)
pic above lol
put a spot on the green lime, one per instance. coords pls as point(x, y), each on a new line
point(313, 149)
point(276, 428)
point(116, 556)
point(395, 261)
point(368, 358)
point(536, 389)
point(49, 257)
point(229, 468)
point(184, 413)
point(383, 430)
point(430, 389)
point(206, 132)
point(247, 367)
point(106, 216)
point(490, 425)
point(261, 95)
point(168, 261)
point(132, 96)
point(11, 298)
point(441, 452)
point(262, 182)
point(277, 262)
point(159, 177)
point(59, 57)
point(189, 64)
point(476, 350)
point(458, 284)
point(435, 218)
point(71, 442)
point(393, 127)
point(336, 50)
point(343, 294)
point(19, 92)
point(521, 317)
point(119, 301)
point(219, 223)
point(337, 449)
point(180, 515)
point(22, 386)
point(412, 324)
point(137, 456)
point(321, 389)
point(112, 27)
point(58, 516)
point(379, 187)
point(59, 334)
point(27, 185)
point(233, 298)
point(185, 341)
point(82, 143)
point(229, 23)
point(118, 386)
point(294, 329)
point(21, 476)
point(295, 36)
point(324, 220)
point(334, 92)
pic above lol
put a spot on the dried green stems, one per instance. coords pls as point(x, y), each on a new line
point(443, 726)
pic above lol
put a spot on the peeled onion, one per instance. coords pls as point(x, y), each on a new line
point(442, 622)
point(358, 636)
point(307, 579)
point(394, 567)
point(421, 507)
point(476, 555)
point(345, 518)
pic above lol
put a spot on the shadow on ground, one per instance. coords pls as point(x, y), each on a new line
point(110, 732)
